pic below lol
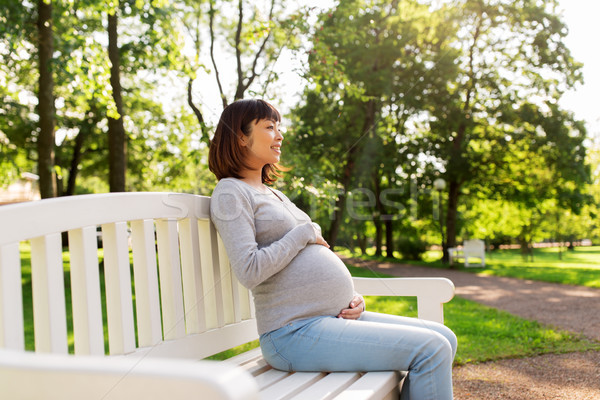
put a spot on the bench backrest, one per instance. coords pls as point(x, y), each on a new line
point(143, 293)
point(474, 246)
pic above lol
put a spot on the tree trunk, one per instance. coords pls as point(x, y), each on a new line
point(456, 172)
point(75, 160)
point(211, 14)
point(117, 145)
point(380, 212)
point(245, 80)
point(389, 236)
point(340, 206)
point(46, 141)
point(378, 237)
point(388, 221)
point(362, 243)
point(451, 218)
point(204, 134)
point(86, 129)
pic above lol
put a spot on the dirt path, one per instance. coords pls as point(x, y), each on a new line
point(574, 376)
point(573, 308)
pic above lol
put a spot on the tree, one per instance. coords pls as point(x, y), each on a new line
point(117, 141)
point(17, 150)
point(513, 69)
point(250, 37)
point(45, 140)
point(368, 64)
point(149, 44)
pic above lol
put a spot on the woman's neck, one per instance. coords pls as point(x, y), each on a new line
point(253, 178)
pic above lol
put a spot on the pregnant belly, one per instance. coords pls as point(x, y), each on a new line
point(317, 281)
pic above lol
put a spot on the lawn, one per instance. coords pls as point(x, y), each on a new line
point(484, 333)
point(580, 266)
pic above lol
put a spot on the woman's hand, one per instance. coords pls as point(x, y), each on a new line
point(321, 241)
point(355, 309)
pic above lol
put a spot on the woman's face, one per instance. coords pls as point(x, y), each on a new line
point(263, 144)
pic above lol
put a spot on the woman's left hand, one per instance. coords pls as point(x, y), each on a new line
point(354, 310)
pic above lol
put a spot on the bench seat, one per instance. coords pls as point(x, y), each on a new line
point(149, 308)
point(274, 384)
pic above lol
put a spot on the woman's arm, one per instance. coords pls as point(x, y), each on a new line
point(233, 216)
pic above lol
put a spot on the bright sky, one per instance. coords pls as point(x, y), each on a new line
point(581, 16)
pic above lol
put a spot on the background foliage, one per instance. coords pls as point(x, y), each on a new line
point(396, 93)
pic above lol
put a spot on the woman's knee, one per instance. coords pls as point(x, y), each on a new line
point(453, 340)
point(448, 335)
point(442, 347)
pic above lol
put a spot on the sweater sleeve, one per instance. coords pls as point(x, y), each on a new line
point(232, 213)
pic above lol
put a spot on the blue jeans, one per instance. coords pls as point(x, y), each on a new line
point(374, 342)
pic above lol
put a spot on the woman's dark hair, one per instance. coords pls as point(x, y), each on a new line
point(226, 156)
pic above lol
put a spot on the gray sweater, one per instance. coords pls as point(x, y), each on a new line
point(271, 247)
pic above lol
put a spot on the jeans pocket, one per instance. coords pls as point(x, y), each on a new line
point(271, 355)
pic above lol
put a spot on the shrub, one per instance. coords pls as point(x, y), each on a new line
point(412, 248)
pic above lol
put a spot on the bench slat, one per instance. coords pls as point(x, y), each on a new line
point(329, 387)
point(170, 279)
point(201, 345)
point(225, 277)
point(24, 375)
point(251, 361)
point(208, 281)
point(291, 385)
point(245, 308)
point(48, 288)
point(191, 271)
point(28, 220)
point(256, 367)
point(88, 328)
point(372, 385)
point(11, 298)
point(269, 378)
point(216, 285)
point(145, 275)
point(117, 276)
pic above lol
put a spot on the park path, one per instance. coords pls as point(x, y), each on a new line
point(571, 376)
point(573, 308)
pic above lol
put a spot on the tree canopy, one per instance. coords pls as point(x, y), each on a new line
point(397, 93)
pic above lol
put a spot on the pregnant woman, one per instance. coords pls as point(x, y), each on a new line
point(308, 314)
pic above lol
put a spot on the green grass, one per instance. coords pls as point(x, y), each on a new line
point(483, 333)
point(580, 266)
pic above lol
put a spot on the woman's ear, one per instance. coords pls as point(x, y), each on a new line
point(243, 140)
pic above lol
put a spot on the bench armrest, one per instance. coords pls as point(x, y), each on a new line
point(431, 293)
point(26, 375)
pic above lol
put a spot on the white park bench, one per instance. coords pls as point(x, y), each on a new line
point(183, 306)
point(473, 248)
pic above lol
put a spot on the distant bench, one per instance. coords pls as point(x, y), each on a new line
point(183, 306)
point(473, 248)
